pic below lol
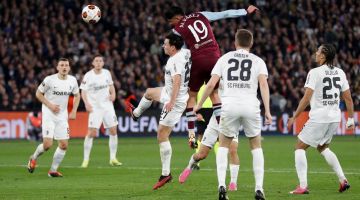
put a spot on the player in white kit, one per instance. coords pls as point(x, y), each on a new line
point(173, 95)
point(98, 94)
point(54, 94)
point(323, 88)
point(208, 141)
point(241, 72)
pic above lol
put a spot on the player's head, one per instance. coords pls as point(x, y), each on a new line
point(174, 15)
point(63, 66)
point(326, 55)
point(172, 44)
point(98, 62)
point(243, 39)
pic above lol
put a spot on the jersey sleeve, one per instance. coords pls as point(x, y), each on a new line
point(311, 80)
point(45, 85)
point(262, 67)
point(84, 84)
point(175, 67)
point(345, 86)
point(218, 67)
point(76, 87)
point(213, 16)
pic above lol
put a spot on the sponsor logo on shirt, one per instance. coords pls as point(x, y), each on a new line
point(61, 93)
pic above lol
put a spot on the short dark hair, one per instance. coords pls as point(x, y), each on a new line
point(175, 40)
point(98, 55)
point(244, 38)
point(329, 51)
point(63, 59)
point(173, 11)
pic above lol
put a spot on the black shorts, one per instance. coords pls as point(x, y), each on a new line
point(201, 125)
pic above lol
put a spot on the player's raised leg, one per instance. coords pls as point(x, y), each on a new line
point(145, 102)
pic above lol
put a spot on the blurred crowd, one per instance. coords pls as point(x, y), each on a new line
point(34, 34)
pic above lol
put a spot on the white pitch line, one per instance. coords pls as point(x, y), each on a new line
point(347, 171)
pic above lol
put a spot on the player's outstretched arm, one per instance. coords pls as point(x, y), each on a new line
point(233, 13)
point(304, 102)
point(40, 96)
point(265, 95)
point(72, 114)
point(346, 95)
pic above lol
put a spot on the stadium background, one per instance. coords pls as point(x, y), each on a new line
point(34, 34)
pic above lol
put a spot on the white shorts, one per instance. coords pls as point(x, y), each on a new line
point(212, 133)
point(318, 134)
point(106, 116)
point(233, 116)
point(171, 118)
point(56, 129)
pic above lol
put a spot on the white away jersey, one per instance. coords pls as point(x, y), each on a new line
point(177, 64)
point(327, 84)
point(97, 88)
point(239, 71)
point(57, 91)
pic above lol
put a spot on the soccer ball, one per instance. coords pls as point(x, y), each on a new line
point(91, 14)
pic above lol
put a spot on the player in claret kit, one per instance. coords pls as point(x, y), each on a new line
point(173, 95)
point(54, 94)
point(196, 31)
point(323, 88)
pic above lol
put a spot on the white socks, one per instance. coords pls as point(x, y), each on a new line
point(88, 142)
point(221, 164)
point(58, 157)
point(143, 105)
point(191, 162)
point(234, 171)
point(165, 155)
point(301, 167)
point(333, 161)
point(258, 168)
point(113, 143)
point(39, 150)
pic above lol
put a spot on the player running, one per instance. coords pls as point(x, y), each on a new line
point(54, 94)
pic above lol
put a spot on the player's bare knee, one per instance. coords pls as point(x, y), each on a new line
point(47, 144)
point(322, 148)
point(92, 132)
point(113, 131)
point(148, 94)
point(202, 155)
point(63, 146)
point(233, 152)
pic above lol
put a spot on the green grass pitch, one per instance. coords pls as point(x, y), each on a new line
point(141, 169)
